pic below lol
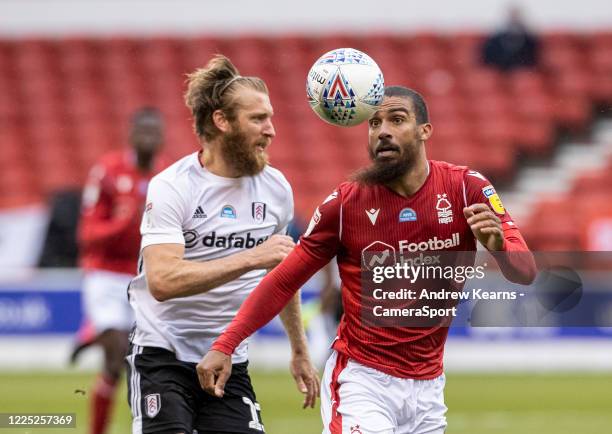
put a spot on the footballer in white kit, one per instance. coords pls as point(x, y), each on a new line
point(214, 223)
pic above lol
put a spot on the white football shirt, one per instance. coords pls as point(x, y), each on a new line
point(212, 217)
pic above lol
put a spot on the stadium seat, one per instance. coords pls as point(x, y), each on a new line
point(70, 99)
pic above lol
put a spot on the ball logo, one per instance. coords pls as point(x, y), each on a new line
point(344, 87)
point(152, 404)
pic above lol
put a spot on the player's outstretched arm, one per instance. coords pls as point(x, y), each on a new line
point(213, 372)
point(170, 276)
point(514, 258)
point(265, 302)
point(301, 367)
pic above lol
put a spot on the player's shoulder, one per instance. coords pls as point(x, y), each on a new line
point(465, 173)
point(179, 175)
point(446, 167)
point(179, 170)
point(274, 178)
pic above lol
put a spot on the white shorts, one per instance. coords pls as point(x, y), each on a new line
point(105, 301)
point(356, 399)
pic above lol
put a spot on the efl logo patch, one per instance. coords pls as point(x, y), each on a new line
point(494, 199)
point(258, 211)
point(152, 404)
point(407, 215)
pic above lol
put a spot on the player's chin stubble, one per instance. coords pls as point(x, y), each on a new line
point(384, 170)
point(243, 156)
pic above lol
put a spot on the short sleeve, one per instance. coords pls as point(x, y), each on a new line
point(479, 189)
point(162, 222)
point(321, 240)
point(286, 214)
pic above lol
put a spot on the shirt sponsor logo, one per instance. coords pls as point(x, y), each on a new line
point(232, 240)
point(191, 238)
point(407, 215)
point(444, 208)
point(228, 211)
point(378, 254)
point(431, 244)
point(494, 200)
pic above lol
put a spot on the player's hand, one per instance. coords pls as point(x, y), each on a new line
point(306, 379)
point(485, 225)
point(213, 371)
point(272, 251)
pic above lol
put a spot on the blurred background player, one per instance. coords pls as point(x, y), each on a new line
point(512, 47)
point(109, 239)
point(384, 379)
point(215, 221)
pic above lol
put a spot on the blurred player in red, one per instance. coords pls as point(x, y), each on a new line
point(109, 239)
point(383, 379)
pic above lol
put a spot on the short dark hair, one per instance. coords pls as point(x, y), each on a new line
point(420, 107)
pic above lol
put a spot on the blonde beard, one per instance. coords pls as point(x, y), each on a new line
point(243, 157)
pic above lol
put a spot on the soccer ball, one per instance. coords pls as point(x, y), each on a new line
point(344, 87)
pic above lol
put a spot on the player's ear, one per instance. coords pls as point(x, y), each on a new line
point(220, 120)
point(425, 131)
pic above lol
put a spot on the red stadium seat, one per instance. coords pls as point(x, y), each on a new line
point(553, 226)
point(68, 100)
point(481, 81)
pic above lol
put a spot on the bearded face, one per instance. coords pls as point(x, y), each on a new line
point(390, 162)
point(395, 142)
point(245, 154)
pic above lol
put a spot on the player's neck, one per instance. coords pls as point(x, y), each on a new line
point(412, 181)
point(215, 163)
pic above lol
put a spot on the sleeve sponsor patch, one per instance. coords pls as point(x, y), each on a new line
point(313, 222)
point(494, 200)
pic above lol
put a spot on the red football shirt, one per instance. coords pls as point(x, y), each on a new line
point(353, 219)
point(113, 203)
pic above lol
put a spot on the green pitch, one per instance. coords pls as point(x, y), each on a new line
point(478, 404)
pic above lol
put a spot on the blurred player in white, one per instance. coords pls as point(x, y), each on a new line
point(384, 378)
point(215, 221)
point(109, 240)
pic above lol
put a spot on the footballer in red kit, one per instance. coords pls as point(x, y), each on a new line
point(384, 379)
point(109, 242)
